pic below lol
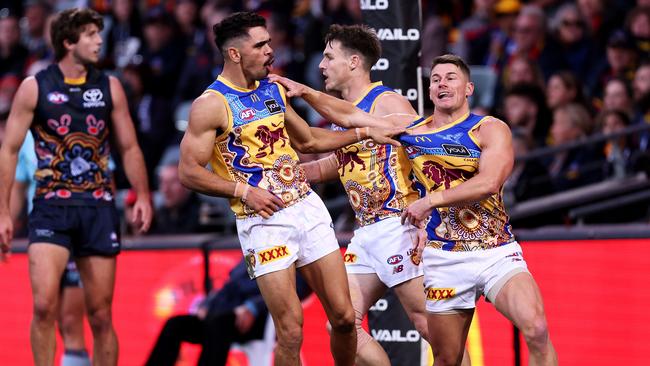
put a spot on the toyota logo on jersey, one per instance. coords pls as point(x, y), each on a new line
point(93, 98)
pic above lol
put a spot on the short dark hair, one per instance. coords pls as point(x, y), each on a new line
point(452, 59)
point(357, 38)
point(235, 26)
point(69, 24)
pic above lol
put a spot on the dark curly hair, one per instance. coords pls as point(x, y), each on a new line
point(235, 26)
point(69, 25)
point(356, 38)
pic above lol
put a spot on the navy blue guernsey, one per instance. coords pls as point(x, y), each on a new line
point(71, 134)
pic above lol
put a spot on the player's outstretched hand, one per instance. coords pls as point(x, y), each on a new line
point(263, 202)
point(294, 88)
point(384, 135)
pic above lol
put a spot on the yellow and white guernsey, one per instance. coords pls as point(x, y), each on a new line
point(444, 158)
point(255, 147)
point(375, 177)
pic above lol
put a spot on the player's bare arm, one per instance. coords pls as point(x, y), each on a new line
point(207, 116)
point(495, 165)
point(322, 170)
point(338, 111)
point(127, 144)
point(20, 118)
point(308, 139)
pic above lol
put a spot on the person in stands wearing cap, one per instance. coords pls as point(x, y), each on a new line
point(620, 62)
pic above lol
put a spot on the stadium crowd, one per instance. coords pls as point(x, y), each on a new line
point(556, 71)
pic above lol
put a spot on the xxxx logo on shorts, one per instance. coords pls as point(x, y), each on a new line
point(350, 258)
point(435, 294)
point(272, 254)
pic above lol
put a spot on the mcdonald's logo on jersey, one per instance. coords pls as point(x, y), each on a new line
point(422, 139)
point(272, 254)
point(435, 294)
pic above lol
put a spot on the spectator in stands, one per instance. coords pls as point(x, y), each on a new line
point(124, 34)
point(234, 313)
point(617, 152)
point(34, 28)
point(638, 24)
point(575, 167)
point(13, 55)
point(620, 62)
point(474, 33)
point(641, 81)
point(505, 14)
point(525, 109)
point(179, 208)
point(563, 87)
point(603, 17)
point(576, 46)
point(530, 40)
point(618, 96)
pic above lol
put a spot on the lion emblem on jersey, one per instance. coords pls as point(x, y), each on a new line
point(441, 175)
point(349, 157)
point(269, 138)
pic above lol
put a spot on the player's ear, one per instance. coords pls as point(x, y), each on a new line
point(469, 89)
point(234, 55)
point(355, 61)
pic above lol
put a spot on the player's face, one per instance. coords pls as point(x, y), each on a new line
point(335, 66)
point(87, 48)
point(449, 87)
point(256, 53)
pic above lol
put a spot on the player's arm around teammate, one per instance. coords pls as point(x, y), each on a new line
point(392, 111)
point(308, 139)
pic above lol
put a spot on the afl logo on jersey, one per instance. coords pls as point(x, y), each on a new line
point(93, 98)
point(57, 97)
point(247, 114)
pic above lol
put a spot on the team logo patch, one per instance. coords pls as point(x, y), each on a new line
point(435, 294)
point(56, 97)
point(249, 258)
point(350, 258)
point(413, 254)
point(247, 114)
point(272, 106)
point(269, 255)
point(456, 150)
point(397, 258)
point(93, 98)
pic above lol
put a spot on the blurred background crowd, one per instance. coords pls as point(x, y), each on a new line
point(559, 72)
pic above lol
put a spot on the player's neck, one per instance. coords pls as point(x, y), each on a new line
point(72, 69)
point(355, 87)
point(234, 74)
point(445, 117)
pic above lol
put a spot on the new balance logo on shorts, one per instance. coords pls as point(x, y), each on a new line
point(269, 255)
point(435, 294)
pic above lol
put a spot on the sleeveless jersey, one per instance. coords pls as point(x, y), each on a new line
point(71, 135)
point(444, 158)
point(255, 147)
point(375, 177)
